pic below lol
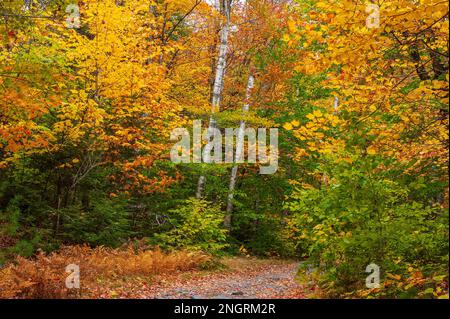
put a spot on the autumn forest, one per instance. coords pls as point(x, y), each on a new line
point(287, 149)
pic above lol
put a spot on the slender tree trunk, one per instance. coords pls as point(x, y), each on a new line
point(414, 54)
point(218, 83)
point(239, 153)
point(336, 104)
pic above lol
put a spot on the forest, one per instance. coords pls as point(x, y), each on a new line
point(300, 143)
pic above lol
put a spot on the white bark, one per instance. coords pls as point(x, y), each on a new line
point(217, 5)
point(218, 83)
point(336, 104)
point(238, 155)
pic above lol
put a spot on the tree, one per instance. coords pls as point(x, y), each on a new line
point(218, 83)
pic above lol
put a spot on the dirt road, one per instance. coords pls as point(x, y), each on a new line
point(242, 278)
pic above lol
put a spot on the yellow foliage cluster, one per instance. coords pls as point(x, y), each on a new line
point(116, 86)
point(314, 133)
point(374, 70)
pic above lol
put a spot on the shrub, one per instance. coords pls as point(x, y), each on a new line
point(363, 218)
point(197, 225)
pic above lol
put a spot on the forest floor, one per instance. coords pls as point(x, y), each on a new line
point(236, 278)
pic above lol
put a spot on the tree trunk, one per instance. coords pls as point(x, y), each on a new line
point(336, 104)
point(218, 84)
point(239, 153)
point(414, 54)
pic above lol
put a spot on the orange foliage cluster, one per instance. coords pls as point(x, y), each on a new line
point(45, 275)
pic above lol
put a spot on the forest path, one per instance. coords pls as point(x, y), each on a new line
point(242, 278)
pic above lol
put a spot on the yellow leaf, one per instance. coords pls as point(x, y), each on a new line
point(295, 123)
point(348, 160)
point(371, 151)
point(396, 277)
point(321, 5)
point(291, 26)
point(317, 113)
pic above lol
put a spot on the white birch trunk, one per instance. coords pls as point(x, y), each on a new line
point(336, 104)
point(218, 83)
point(238, 155)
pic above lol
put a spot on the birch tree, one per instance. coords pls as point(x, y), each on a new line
point(239, 154)
point(218, 84)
